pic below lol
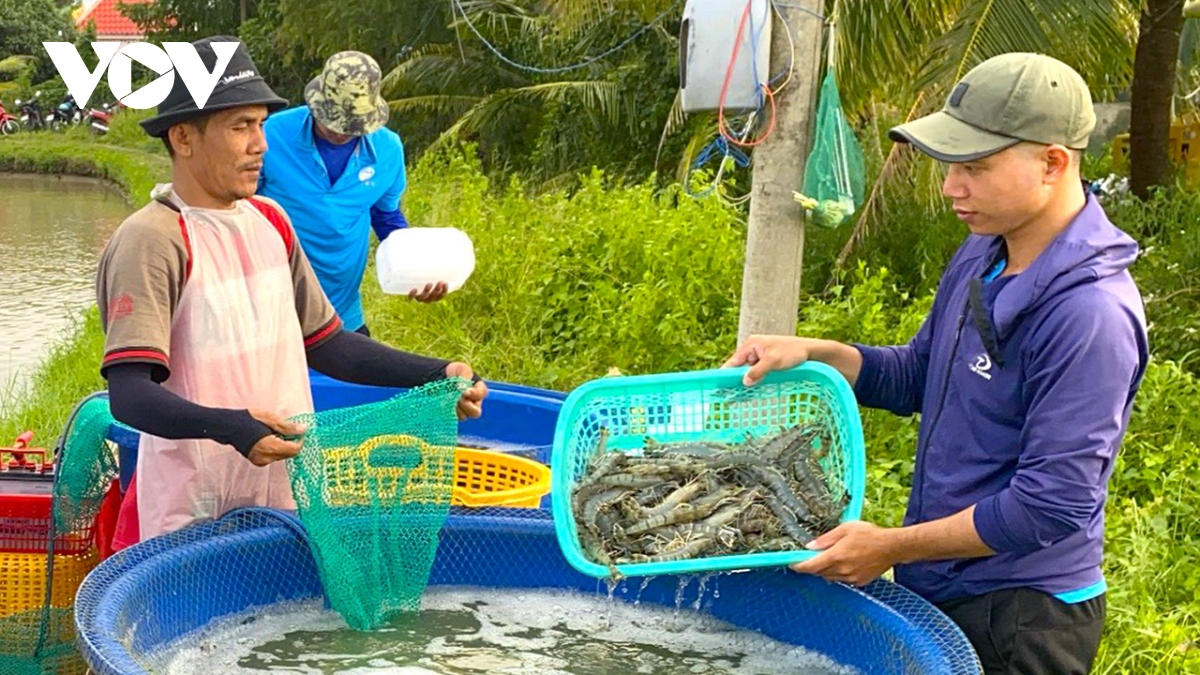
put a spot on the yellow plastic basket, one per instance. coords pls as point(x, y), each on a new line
point(23, 580)
point(489, 478)
point(481, 477)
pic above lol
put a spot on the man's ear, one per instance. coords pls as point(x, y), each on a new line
point(183, 138)
point(1058, 162)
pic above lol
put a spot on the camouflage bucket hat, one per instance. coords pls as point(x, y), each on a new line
point(345, 96)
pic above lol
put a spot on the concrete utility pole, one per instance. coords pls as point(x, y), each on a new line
point(775, 241)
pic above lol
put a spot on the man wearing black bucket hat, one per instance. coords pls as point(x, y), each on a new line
point(340, 173)
point(212, 317)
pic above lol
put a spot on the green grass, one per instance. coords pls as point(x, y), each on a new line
point(567, 286)
point(70, 372)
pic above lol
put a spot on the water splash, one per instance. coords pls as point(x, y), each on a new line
point(700, 592)
point(684, 581)
point(612, 587)
point(637, 600)
point(482, 630)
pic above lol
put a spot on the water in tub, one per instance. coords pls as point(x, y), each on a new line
point(470, 631)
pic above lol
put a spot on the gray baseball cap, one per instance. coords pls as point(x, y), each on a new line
point(1001, 102)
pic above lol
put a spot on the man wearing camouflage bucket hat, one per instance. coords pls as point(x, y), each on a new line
point(212, 318)
point(1024, 374)
point(340, 173)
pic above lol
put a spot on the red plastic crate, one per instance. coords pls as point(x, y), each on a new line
point(26, 489)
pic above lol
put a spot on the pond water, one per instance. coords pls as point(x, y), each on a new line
point(52, 231)
point(465, 631)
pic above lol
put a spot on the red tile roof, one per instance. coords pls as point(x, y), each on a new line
point(108, 19)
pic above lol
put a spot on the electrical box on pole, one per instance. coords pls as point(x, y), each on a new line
point(710, 32)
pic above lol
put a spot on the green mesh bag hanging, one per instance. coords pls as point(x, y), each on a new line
point(834, 176)
point(86, 465)
point(41, 640)
point(372, 485)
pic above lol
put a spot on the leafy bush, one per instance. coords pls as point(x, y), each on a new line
point(565, 285)
point(16, 68)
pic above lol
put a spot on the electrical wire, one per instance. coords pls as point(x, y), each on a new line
point(764, 88)
point(459, 9)
point(787, 27)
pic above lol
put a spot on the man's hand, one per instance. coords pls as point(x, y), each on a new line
point(273, 448)
point(471, 403)
point(431, 292)
point(855, 553)
point(764, 353)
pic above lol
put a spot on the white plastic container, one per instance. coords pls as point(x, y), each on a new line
point(415, 256)
point(707, 35)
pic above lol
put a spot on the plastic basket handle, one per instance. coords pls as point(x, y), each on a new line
point(394, 457)
point(398, 453)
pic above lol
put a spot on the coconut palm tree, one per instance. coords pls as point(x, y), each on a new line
point(513, 95)
point(908, 56)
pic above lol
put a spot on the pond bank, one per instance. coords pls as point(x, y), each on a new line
point(130, 171)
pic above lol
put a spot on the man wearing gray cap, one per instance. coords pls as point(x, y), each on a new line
point(212, 317)
point(1024, 373)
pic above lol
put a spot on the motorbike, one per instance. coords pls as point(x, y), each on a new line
point(66, 114)
point(32, 117)
point(99, 118)
point(8, 123)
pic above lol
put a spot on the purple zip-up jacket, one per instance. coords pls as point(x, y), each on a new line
point(1030, 432)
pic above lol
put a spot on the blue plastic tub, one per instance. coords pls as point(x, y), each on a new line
point(150, 594)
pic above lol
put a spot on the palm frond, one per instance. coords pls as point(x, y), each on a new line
point(899, 157)
point(699, 139)
point(440, 105)
point(572, 18)
point(877, 41)
point(500, 17)
point(676, 118)
point(1086, 34)
point(601, 98)
point(442, 68)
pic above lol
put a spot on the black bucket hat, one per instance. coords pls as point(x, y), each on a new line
point(241, 85)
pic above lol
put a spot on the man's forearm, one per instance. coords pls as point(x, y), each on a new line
point(138, 401)
point(358, 359)
point(845, 359)
point(943, 539)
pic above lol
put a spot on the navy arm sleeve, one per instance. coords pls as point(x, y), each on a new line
point(387, 222)
point(136, 398)
point(356, 358)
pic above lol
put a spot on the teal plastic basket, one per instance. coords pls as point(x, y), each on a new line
point(701, 406)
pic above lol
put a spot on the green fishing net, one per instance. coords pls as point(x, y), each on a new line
point(86, 466)
point(21, 653)
point(373, 484)
point(48, 558)
point(835, 175)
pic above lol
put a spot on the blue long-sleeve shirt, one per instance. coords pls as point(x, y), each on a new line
point(1028, 431)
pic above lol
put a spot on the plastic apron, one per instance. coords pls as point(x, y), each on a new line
point(236, 342)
